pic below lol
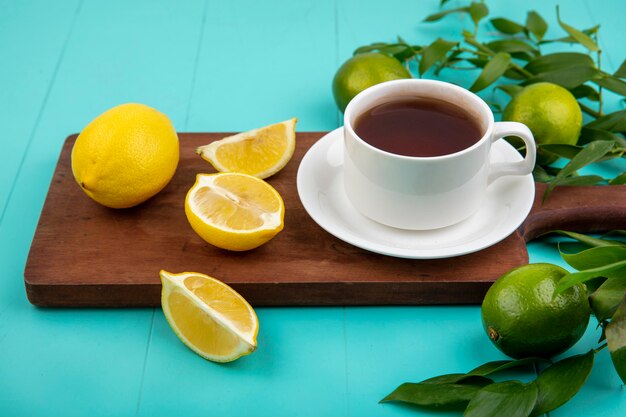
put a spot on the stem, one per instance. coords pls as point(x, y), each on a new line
point(472, 51)
point(599, 61)
point(461, 68)
point(522, 71)
point(599, 87)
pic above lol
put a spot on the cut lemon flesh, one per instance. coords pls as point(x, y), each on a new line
point(208, 316)
point(234, 211)
point(260, 152)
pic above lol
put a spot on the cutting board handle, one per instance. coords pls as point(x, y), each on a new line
point(584, 209)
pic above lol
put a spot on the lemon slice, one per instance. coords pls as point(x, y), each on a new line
point(234, 211)
point(208, 316)
point(260, 152)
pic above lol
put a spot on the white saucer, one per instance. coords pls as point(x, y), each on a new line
point(320, 186)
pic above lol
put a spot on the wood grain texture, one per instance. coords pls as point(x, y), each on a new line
point(84, 254)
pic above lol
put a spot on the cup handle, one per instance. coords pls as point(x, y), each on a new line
point(502, 129)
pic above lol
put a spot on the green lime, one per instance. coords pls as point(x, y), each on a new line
point(363, 71)
point(524, 318)
point(551, 112)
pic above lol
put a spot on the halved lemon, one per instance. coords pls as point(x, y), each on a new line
point(208, 316)
point(234, 211)
point(260, 152)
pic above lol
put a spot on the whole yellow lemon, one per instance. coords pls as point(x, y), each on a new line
point(126, 155)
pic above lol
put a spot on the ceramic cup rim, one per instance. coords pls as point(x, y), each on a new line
point(484, 110)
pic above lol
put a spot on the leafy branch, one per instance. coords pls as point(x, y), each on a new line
point(602, 266)
point(515, 60)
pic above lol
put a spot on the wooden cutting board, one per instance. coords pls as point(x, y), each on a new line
point(84, 254)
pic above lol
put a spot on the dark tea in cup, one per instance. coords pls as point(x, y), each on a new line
point(422, 127)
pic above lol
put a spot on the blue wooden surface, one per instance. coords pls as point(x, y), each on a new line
point(216, 66)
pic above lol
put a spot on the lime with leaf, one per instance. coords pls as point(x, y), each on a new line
point(523, 316)
point(538, 310)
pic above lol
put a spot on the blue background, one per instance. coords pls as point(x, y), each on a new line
point(224, 66)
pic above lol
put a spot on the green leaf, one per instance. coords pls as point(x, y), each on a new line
point(585, 91)
point(460, 378)
point(443, 2)
point(409, 50)
point(573, 278)
point(570, 151)
point(536, 25)
point(438, 391)
point(511, 89)
point(506, 26)
point(621, 71)
point(511, 46)
point(559, 61)
point(478, 11)
point(619, 180)
point(582, 180)
point(617, 152)
point(594, 284)
point(611, 83)
point(563, 151)
point(508, 398)
point(569, 39)
point(588, 240)
point(433, 53)
point(552, 170)
point(560, 382)
point(592, 153)
point(588, 135)
point(478, 62)
point(618, 357)
point(616, 339)
point(540, 174)
point(437, 16)
point(376, 46)
point(615, 232)
point(607, 297)
point(495, 106)
point(568, 78)
point(572, 247)
point(492, 71)
point(613, 122)
point(582, 241)
point(451, 58)
point(497, 366)
point(597, 256)
point(579, 36)
point(514, 75)
point(401, 51)
point(394, 49)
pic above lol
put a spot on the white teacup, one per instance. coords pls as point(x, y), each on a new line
point(421, 193)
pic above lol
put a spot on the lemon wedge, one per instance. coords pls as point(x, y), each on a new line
point(234, 211)
point(260, 152)
point(208, 316)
